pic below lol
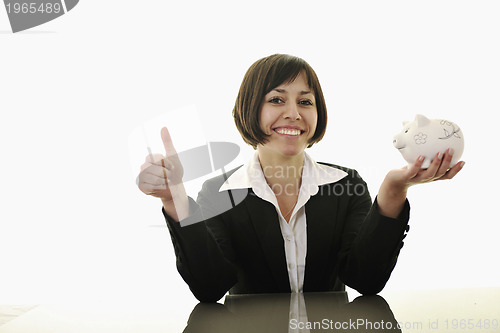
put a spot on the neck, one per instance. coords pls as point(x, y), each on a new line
point(281, 169)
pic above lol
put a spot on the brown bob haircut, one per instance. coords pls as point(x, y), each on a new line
point(262, 77)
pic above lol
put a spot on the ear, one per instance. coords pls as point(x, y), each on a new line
point(421, 120)
point(405, 123)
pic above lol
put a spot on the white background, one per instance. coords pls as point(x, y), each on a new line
point(73, 93)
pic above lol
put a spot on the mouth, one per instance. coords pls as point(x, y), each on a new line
point(288, 131)
point(398, 145)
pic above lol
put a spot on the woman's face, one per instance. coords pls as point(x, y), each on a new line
point(289, 115)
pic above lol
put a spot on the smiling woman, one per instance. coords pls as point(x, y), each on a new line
point(265, 83)
point(311, 228)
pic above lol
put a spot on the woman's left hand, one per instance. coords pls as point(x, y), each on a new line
point(413, 174)
point(392, 193)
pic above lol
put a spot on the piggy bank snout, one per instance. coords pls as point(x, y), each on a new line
point(398, 142)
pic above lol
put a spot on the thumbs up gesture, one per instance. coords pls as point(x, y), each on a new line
point(161, 177)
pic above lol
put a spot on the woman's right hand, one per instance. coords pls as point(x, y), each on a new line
point(161, 177)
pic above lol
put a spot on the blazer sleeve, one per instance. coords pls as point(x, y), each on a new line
point(371, 242)
point(203, 251)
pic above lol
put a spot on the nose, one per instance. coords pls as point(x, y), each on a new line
point(291, 111)
point(399, 144)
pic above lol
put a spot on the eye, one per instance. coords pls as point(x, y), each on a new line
point(406, 131)
point(276, 100)
point(306, 102)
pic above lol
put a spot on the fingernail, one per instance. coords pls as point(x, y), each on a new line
point(421, 158)
point(451, 151)
point(462, 164)
point(439, 155)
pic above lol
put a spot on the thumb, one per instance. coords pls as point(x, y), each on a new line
point(415, 168)
point(167, 142)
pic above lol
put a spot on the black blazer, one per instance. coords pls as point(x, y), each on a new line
point(242, 250)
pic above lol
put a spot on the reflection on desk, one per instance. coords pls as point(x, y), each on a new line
point(450, 310)
point(308, 312)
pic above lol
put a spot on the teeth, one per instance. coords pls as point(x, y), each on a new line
point(288, 131)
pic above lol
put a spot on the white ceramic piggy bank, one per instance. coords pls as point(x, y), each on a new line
point(427, 137)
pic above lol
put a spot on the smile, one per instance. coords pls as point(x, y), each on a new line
point(288, 131)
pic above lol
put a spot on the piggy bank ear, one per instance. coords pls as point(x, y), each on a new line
point(405, 123)
point(421, 120)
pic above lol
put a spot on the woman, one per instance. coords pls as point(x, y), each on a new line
point(299, 225)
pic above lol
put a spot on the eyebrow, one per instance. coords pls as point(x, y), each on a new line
point(303, 92)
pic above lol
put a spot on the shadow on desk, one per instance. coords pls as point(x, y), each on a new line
point(308, 312)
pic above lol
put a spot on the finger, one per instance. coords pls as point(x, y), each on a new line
point(154, 158)
point(453, 171)
point(445, 164)
point(145, 187)
point(414, 169)
point(153, 179)
point(147, 165)
point(168, 164)
point(172, 177)
point(146, 183)
point(433, 168)
point(153, 169)
point(168, 172)
point(167, 142)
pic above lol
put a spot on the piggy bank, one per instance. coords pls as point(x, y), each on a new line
point(427, 137)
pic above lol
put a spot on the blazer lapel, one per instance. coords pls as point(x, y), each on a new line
point(320, 215)
point(266, 224)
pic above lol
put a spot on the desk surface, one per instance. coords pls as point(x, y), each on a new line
point(453, 310)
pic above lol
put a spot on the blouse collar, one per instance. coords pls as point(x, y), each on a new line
point(250, 175)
